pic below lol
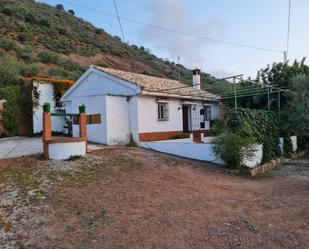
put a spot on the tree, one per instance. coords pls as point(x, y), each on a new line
point(59, 7)
point(298, 106)
point(72, 12)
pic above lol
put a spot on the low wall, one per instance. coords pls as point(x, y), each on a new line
point(61, 151)
point(198, 151)
point(201, 151)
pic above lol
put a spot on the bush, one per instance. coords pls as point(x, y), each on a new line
point(9, 71)
point(72, 12)
point(218, 126)
point(11, 114)
point(179, 136)
point(31, 70)
point(233, 149)
point(7, 44)
point(287, 146)
point(24, 54)
point(262, 125)
point(7, 11)
point(44, 23)
point(48, 57)
point(59, 7)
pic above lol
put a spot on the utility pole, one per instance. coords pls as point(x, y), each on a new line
point(235, 94)
point(285, 57)
point(268, 100)
point(178, 59)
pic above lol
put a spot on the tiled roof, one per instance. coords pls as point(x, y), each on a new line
point(157, 85)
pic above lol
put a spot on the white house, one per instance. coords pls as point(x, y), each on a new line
point(121, 105)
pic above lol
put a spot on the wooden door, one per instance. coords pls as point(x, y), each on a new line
point(185, 119)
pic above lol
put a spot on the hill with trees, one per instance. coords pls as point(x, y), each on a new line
point(38, 39)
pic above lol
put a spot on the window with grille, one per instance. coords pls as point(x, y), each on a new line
point(207, 113)
point(162, 111)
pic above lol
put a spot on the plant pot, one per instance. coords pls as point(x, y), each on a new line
point(82, 109)
point(46, 107)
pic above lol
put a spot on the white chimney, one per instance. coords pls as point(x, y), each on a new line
point(196, 79)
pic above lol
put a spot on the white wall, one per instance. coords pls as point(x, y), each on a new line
point(203, 152)
point(46, 95)
point(61, 151)
point(256, 159)
point(133, 114)
point(94, 105)
point(198, 151)
point(148, 115)
point(97, 83)
point(117, 117)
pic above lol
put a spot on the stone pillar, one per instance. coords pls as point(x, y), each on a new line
point(47, 133)
point(83, 125)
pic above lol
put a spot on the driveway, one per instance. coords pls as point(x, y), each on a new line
point(20, 146)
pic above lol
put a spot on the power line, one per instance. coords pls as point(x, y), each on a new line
point(121, 29)
point(177, 31)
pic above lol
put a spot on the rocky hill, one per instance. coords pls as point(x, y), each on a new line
point(38, 39)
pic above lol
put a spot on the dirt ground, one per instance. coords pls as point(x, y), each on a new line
point(135, 198)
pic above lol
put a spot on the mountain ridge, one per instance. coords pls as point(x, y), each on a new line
point(50, 41)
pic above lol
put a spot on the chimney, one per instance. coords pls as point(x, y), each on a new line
point(196, 79)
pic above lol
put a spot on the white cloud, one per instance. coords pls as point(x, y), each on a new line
point(176, 15)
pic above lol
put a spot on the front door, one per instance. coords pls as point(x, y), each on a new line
point(185, 118)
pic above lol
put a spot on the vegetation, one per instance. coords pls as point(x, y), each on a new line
point(9, 70)
point(245, 128)
point(12, 112)
point(60, 33)
point(233, 148)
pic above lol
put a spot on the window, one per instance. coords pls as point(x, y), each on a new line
point(91, 119)
point(162, 111)
point(94, 119)
point(207, 113)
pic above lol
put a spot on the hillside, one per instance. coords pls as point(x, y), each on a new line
point(38, 39)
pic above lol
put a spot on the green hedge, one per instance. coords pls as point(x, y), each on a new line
point(262, 125)
point(12, 112)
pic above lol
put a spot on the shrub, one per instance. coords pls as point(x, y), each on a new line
point(233, 149)
point(44, 23)
point(179, 136)
point(287, 146)
point(72, 12)
point(30, 70)
point(7, 11)
point(11, 114)
point(218, 126)
point(59, 7)
point(9, 71)
point(7, 44)
point(48, 57)
point(262, 125)
point(30, 18)
point(24, 54)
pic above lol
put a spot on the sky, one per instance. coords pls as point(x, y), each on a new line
point(257, 23)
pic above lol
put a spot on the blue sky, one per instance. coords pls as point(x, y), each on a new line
point(260, 23)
